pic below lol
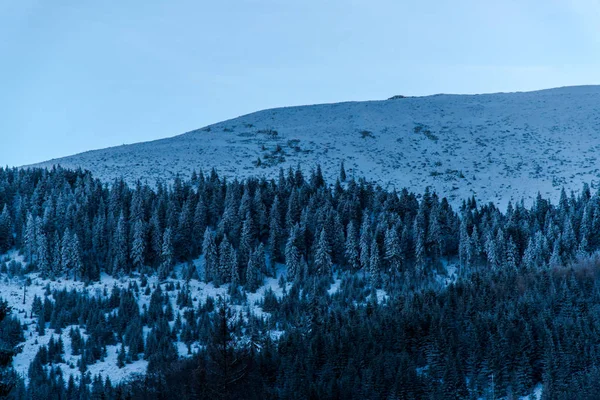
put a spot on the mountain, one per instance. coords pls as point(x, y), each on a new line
point(497, 147)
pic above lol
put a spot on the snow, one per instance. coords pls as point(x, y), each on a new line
point(11, 290)
point(496, 147)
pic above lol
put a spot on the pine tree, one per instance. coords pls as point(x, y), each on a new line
point(292, 255)
point(434, 232)
point(66, 263)
point(7, 374)
point(6, 237)
point(419, 247)
point(365, 242)
point(166, 255)
point(253, 272)
point(463, 245)
point(528, 262)
point(511, 255)
point(43, 251)
point(30, 238)
point(211, 258)
point(342, 172)
point(200, 221)
point(323, 261)
point(121, 357)
point(247, 240)
point(227, 360)
point(375, 265)
point(275, 231)
point(393, 255)
point(555, 258)
point(228, 269)
point(351, 248)
point(120, 246)
point(75, 254)
point(491, 251)
point(138, 244)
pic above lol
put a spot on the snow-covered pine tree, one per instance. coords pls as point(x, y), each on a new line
point(262, 262)
point(434, 232)
point(75, 254)
point(6, 237)
point(419, 247)
point(227, 262)
point(528, 262)
point(166, 255)
point(292, 256)
point(138, 245)
point(247, 240)
point(500, 247)
point(30, 238)
point(275, 231)
point(393, 254)
point(211, 257)
point(253, 272)
point(365, 242)
point(474, 246)
point(463, 245)
point(44, 260)
point(7, 374)
point(56, 255)
point(182, 238)
point(119, 245)
point(375, 265)
point(511, 255)
point(351, 248)
point(555, 258)
point(66, 263)
point(322, 260)
point(156, 237)
point(491, 250)
point(200, 222)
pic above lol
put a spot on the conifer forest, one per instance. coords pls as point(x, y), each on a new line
point(312, 290)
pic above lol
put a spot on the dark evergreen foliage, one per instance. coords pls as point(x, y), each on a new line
point(523, 307)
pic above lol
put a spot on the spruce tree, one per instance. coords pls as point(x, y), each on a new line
point(322, 259)
point(6, 237)
point(292, 256)
point(275, 231)
point(419, 247)
point(351, 248)
point(166, 255)
point(375, 265)
point(228, 268)
point(7, 374)
point(393, 254)
point(138, 244)
point(211, 258)
point(30, 238)
point(44, 260)
point(365, 242)
point(253, 271)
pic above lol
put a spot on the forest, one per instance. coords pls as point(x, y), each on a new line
point(478, 302)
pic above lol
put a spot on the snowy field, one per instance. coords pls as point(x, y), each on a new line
point(496, 147)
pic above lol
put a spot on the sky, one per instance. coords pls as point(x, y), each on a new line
point(77, 75)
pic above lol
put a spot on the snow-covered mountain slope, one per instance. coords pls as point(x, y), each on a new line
point(498, 147)
point(21, 302)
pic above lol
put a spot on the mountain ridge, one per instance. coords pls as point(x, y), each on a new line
point(497, 147)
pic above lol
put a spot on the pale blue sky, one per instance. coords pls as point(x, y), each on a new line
point(77, 75)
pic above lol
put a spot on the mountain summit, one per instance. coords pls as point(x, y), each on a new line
point(496, 147)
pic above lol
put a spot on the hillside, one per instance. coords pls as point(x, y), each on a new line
point(497, 147)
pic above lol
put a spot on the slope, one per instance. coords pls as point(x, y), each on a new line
point(496, 147)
